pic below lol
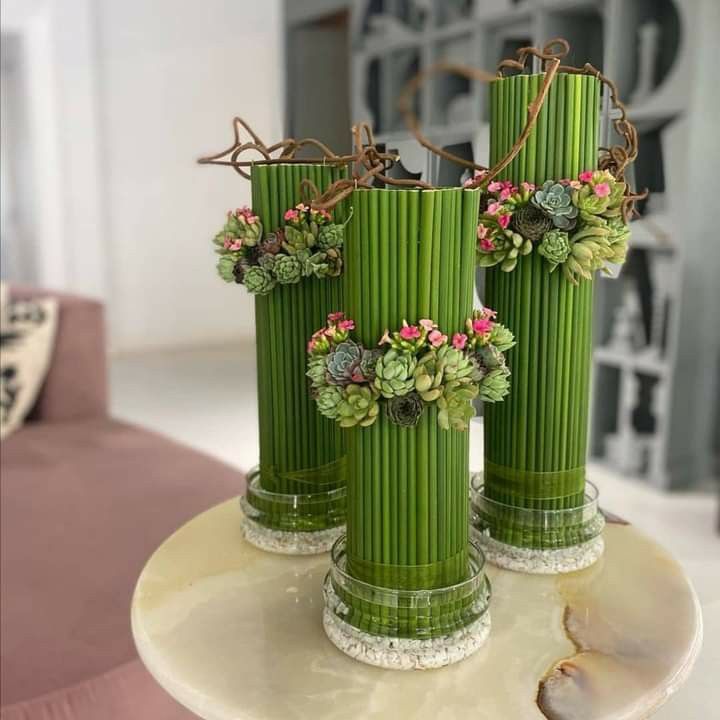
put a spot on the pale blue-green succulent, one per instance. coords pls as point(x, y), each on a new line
point(557, 201)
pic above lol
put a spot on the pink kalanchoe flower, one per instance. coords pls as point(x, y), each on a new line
point(488, 313)
point(436, 338)
point(409, 332)
point(527, 187)
point(324, 214)
point(487, 245)
point(495, 186)
point(335, 316)
point(585, 176)
point(505, 193)
point(602, 189)
point(504, 220)
point(428, 324)
point(494, 208)
point(246, 214)
point(459, 341)
point(481, 326)
point(476, 179)
point(346, 325)
point(482, 231)
point(291, 216)
point(575, 184)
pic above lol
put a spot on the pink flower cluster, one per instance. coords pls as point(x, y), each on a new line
point(232, 243)
point(337, 329)
point(304, 213)
point(245, 215)
point(596, 179)
point(504, 200)
point(479, 327)
point(425, 335)
point(410, 338)
point(476, 180)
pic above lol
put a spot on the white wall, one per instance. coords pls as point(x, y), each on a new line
point(174, 74)
point(125, 96)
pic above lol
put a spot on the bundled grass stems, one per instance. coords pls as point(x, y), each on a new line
point(410, 255)
point(301, 452)
point(536, 442)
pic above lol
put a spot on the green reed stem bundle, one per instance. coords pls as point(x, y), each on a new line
point(536, 441)
point(410, 255)
point(295, 440)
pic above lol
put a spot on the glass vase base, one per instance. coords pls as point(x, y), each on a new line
point(403, 628)
point(286, 542)
point(544, 541)
point(539, 562)
point(292, 524)
point(394, 653)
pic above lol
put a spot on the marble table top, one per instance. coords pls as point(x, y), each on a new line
point(234, 633)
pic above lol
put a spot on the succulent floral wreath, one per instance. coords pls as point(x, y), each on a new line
point(578, 225)
point(420, 366)
point(309, 244)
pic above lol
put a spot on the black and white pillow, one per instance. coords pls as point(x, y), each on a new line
point(27, 337)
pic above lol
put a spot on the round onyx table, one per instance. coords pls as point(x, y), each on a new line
point(234, 633)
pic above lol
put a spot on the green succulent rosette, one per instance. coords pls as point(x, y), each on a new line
point(288, 269)
point(316, 371)
point(344, 361)
point(496, 385)
point(531, 222)
point(578, 225)
point(413, 367)
point(455, 407)
point(394, 373)
point(556, 201)
point(405, 410)
point(309, 245)
point(508, 248)
point(329, 400)
point(258, 281)
point(359, 406)
point(555, 247)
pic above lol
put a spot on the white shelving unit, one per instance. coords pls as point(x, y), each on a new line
point(640, 427)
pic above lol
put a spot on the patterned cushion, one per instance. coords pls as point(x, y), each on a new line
point(27, 336)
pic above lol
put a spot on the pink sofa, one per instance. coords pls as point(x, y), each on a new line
point(85, 500)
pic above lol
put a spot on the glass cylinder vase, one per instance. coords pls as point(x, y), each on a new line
point(406, 571)
point(295, 499)
point(536, 442)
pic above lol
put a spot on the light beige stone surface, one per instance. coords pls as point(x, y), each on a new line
point(235, 633)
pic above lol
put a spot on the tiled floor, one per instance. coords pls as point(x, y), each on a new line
point(206, 399)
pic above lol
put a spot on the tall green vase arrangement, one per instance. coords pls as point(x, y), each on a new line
point(549, 221)
point(406, 571)
point(290, 258)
